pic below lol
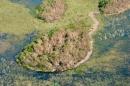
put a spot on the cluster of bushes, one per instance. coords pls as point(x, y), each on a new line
point(102, 4)
point(43, 8)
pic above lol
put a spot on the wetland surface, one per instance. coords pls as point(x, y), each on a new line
point(110, 60)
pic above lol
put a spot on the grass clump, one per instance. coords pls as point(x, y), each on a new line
point(43, 8)
point(51, 32)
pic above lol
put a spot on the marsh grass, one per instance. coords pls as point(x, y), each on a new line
point(16, 19)
point(111, 46)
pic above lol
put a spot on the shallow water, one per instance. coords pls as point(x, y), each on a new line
point(114, 35)
point(28, 3)
point(8, 66)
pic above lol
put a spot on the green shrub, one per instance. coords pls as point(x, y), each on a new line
point(102, 4)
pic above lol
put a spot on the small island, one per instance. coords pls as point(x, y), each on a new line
point(59, 51)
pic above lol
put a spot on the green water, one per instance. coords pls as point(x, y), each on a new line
point(115, 35)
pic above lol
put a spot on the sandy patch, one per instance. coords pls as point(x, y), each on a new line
point(4, 45)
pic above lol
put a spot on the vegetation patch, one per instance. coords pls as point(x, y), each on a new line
point(51, 10)
point(110, 7)
point(59, 52)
